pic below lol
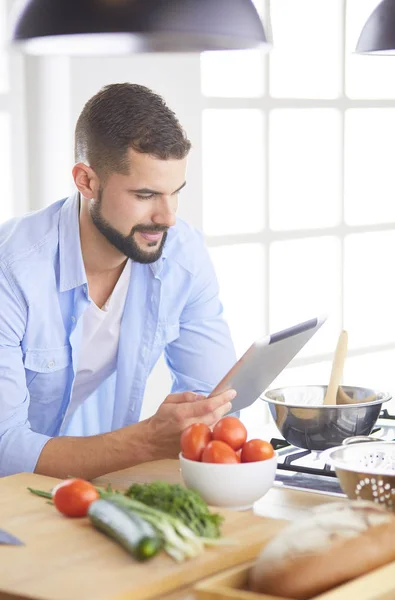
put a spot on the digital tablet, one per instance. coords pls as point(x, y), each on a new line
point(263, 361)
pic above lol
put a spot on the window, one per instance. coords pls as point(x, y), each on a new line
point(13, 171)
point(299, 195)
point(5, 122)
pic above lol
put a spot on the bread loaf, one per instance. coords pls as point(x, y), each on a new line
point(335, 544)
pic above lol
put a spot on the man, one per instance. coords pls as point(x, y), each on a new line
point(94, 288)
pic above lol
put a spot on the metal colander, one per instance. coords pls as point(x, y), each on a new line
point(366, 471)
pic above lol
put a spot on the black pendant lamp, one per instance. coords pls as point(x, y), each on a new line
point(87, 27)
point(378, 33)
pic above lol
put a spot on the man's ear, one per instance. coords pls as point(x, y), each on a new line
point(85, 180)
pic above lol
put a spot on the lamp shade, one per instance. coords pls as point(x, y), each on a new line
point(378, 33)
point(83, 27)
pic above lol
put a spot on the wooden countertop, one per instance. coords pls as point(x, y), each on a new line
point(62, 557)
point(277, 503)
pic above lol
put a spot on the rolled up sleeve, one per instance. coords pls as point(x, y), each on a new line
point(20, 447)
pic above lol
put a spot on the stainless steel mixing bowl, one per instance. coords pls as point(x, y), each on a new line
point(304, 421)
point(366, 471)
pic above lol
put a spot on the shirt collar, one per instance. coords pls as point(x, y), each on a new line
point(71, 271)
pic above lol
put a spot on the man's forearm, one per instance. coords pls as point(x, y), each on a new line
point(90, 457)
point(152, 439)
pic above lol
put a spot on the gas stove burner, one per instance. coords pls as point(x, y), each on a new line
point(302, 470)
point(305, 470)
point(292, 454)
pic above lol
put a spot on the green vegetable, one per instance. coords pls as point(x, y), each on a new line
point(127, 528)
point(187, 505)
point(173, 533)
point(179, 541)
point(40, 493)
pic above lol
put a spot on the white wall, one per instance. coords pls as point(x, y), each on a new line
point(56, 90)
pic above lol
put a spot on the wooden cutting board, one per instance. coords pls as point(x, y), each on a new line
point(66, 559)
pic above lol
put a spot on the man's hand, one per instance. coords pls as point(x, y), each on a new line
point(179, 411)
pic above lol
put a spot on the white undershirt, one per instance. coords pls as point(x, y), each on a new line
point(100, 338)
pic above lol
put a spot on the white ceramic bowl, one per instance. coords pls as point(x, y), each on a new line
point(235, 486)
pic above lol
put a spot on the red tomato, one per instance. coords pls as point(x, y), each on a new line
point(255, 450)
point(194, 439)
point(219, 452)
point(231, 431)
point(73, 497)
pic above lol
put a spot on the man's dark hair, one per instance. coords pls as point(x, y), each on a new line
point(122, 116)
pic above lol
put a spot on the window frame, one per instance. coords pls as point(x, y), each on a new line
point(266, 237)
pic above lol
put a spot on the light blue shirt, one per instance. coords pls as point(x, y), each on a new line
point(172, 305)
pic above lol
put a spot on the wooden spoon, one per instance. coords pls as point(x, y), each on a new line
point(337, 368)
point(344, 398)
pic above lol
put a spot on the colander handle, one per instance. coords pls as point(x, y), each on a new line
point(357, 439)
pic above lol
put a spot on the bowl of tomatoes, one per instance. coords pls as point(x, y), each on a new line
point(224, 467)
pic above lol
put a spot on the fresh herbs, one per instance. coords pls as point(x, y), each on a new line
point(179, 541)
point(182, 503)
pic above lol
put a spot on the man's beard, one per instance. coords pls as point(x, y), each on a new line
point(126, 243)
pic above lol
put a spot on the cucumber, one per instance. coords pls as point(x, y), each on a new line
point(132, 532)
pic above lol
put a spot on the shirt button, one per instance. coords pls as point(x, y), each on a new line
point(51, 364)
point(73, 319)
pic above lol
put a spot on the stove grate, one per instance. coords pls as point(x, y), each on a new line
point(289, 461)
